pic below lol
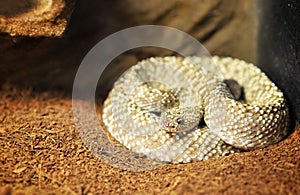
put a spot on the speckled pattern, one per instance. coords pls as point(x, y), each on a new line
point(259, 120)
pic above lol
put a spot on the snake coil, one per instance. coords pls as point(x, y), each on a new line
point(180, 110)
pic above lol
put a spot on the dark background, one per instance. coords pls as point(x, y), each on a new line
point(279, 47)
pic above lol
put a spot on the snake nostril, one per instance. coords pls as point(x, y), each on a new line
point(169, 125)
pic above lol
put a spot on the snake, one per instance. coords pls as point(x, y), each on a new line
point(182, 109)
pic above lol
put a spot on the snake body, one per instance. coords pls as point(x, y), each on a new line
point(177, 109)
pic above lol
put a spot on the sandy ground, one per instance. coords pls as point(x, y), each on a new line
point(42, 153)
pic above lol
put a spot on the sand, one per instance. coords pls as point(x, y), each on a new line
point(42, 153)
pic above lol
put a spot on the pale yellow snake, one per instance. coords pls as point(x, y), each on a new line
point(157, 108)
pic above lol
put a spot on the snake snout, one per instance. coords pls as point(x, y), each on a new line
point(169, 127)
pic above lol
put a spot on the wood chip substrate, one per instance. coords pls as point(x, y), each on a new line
point(42, 153)
point(35, 17)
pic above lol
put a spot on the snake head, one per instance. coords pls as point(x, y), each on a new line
point(180, 119)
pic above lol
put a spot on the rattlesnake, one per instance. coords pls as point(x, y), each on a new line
point(157, 108)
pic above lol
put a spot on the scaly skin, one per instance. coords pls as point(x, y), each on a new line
point(156, 108)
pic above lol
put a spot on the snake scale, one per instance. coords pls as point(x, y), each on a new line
point(180, 110)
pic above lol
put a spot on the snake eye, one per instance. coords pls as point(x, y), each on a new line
point(179, 121)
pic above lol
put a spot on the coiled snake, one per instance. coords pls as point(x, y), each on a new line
point(177, 109)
